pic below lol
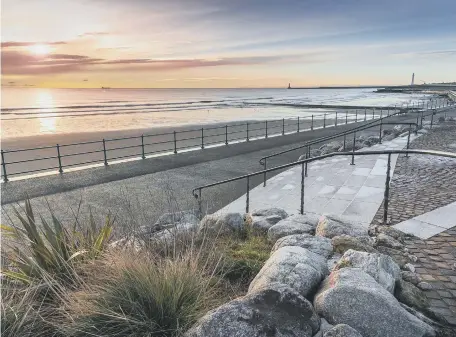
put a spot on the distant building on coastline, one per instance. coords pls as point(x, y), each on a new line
point(413, 79)
point(289, 85)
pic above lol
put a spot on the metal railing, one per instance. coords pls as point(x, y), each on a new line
point(63, 156)
point(421, 114)
point(197, 192)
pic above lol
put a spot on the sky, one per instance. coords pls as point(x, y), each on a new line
point(226, 43)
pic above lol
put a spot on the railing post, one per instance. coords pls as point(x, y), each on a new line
point(105, 157)
point(298, 124)
point(335, 124)
point(247, 201)
point(226, 134)
point(5, 176)
point(381, 113)
point(387, 187)
point(60, 159)
point(408, 139)
point(200, 203)
point(247, 131)
point(266, 129)
point(283, 126)
point(365, 114)
point(346, 117)
point(307, 157)
point(302, 188)
point(202, 138)
point(356, 119)
point(353, 150)
point(373, 113)
point(422, 118)
point(264, 174)
point(324, 121)
point(175, 142)
point(417, 121)
point(142, 145)
point(312, 125)
point(381, 126)
point(432, 119)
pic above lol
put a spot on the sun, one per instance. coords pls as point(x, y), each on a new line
point(40, 49)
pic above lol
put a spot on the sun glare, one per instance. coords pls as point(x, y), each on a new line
point(40, 49)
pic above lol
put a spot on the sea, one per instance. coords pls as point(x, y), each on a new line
point(35, 111)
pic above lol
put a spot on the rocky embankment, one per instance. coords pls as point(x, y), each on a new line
point(325, 277)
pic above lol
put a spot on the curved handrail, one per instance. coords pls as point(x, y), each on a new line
point(343, 133)
point(308, 160)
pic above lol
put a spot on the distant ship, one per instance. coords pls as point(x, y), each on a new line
point(105, 88)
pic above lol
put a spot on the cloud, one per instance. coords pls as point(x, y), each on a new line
point(10, 44)
point(20, 63)
point(90, 34)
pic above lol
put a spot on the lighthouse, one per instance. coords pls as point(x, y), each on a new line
point(413, 79)
point(289, 85)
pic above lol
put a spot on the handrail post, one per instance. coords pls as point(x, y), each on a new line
point(422, 118)
point(324, 121)
point(312, 125)
point(408, 139)
point(266, 129)
point(142, 145)
point(381, 126)
point(226, 134)
point(335, 124)
point(373, 113)
point(356, 119)
point(247, 201)
point(200, 203)
point(302, 189)
point(417, 121)
point(345, 139)
point(365, 114)
point(432, 119)
point(283, 126)
point(298, 124)
point(247, 131)
point(353, 150)
point(202, 138)
point(346, 117)
point(5, 176)
point(60, 159)
point(104, 153)
point(175, 142)
point(381, 113)
point(264, 174)
point(387, 187)
point(307, 157)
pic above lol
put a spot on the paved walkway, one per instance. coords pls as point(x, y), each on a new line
point(332, 186)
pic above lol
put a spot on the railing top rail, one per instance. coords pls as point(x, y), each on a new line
point(343, 133)
point(333, 154)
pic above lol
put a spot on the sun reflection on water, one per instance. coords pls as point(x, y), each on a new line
point(47, 120)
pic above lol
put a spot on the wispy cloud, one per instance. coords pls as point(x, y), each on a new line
point(13, 44)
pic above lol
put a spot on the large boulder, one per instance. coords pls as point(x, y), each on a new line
point(178, 232)
point(342, 243)
point(371, 140)
point(411, 277)
point(263, 219)
point(410, 295)
point(342, 330)
point(330, 226)
point(165, 221)
point(381, 267)
point(349, 145)
point(274, 311)
point(316, 244)
point(388, 241)
point(400, 257)
point(295, 224)
point(296, 267)
point(351, 296)
point(222, 224)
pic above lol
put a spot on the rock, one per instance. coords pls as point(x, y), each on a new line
point(342, 243)
point(332, 262)
point(172, 218)
point(410, 295)
point(371, 140)
point(274, 311)
point(350, 296)
point(330, 147)
point(330, 226)
point(424, 286)
point(441, 331)
point(296, 267)
point(397, 130)
point(316, 244)
point(410, 267)
point(324, 325)
point(179, 231)
point(262, 220)
point(315, 153)
point(349, 146)
point(388, 241)
point(381, 267)
point(342, 330)
point(390, 231)
point(388, 138)
point(441, 119)
point(296, 224)
point(399, 257)
point(222, 224)
point(411, 277)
